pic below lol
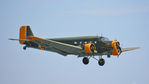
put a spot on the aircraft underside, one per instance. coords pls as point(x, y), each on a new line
point(86, 57)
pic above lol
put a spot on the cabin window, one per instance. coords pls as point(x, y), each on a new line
point(85, 42)
point(75, 42)
point(80, 42)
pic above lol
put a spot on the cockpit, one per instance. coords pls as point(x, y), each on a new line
point(103, 39)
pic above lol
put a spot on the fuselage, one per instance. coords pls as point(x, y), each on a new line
point(103, 45)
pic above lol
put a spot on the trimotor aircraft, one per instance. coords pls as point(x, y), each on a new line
point(83, 46)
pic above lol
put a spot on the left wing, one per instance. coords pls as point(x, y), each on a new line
point(63, 47)
point(59, 47)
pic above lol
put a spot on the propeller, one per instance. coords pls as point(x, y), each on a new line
point(119, 48)
point(92, 48)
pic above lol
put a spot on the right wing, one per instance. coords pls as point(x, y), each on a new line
point(129, 49)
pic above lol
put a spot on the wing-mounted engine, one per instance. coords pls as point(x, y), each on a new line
point(89, 48)
point(116, 48)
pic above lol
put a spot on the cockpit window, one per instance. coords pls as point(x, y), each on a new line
point(103, 39)
point(85, 42)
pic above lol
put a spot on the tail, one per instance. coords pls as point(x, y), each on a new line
point(25, 31)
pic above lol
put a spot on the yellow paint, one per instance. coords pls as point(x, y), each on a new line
point(32, 38)
point(87, 48)
point(23, 31)
point(42, 48)
point(115, 50)
point(23, 36)
point(108, 44)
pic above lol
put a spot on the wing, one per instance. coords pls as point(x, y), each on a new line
point(55, 46)
point(129, 49)
point(62, 48)
point(59, 47)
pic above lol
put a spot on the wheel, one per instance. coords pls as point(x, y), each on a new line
point(85, 60)
point(24, 47)
point(101, 62)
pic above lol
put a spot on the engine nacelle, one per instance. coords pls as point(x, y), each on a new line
point(116, 48)
point(89, 48)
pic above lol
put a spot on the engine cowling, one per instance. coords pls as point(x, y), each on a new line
point(116, 48)
point(89, 48)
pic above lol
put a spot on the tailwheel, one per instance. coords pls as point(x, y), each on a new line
point(85, 60)
point(101, 62)
point(24, 48)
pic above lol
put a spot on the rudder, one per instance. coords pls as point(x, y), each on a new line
point(25, 31)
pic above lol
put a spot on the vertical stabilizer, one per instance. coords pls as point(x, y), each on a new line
point(25, 31)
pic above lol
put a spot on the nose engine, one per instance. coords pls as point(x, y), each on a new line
point(116, 48)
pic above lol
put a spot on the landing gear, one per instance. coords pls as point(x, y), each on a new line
point(85, 60)
point(101, 62)
point(24, 48)
point(108, 56)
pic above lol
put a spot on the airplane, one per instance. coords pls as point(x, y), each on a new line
point(83, 46)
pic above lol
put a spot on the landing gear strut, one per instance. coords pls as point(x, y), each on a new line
point(85, 60)
point(24, 48)
point(101, 62)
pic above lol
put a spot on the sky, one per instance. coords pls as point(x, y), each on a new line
point(124, 20)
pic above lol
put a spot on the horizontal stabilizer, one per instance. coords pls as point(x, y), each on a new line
point(18, 39)
point(13, 39)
